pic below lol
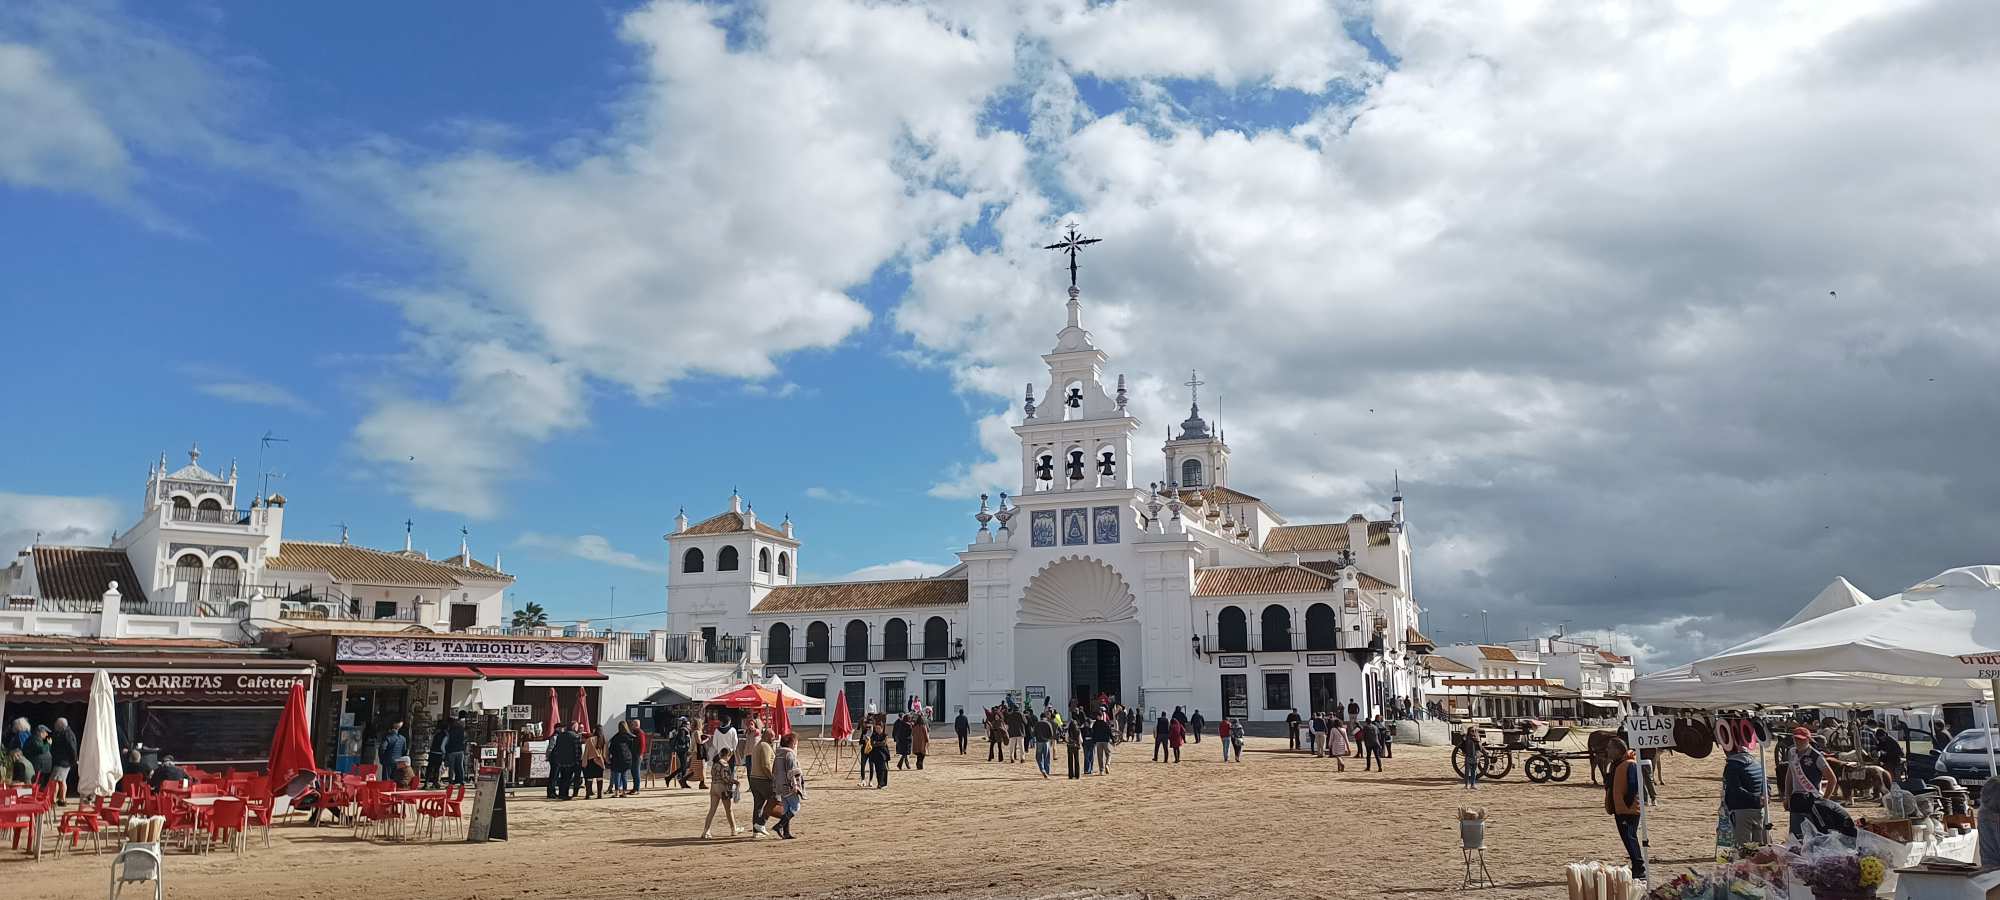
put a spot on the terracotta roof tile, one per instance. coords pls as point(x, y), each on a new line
point(465, 561)
point(1413, 636)
point(80, 574)
point(864, 595)
point(1614, 658)
point(1501, 654)
point(730, 523)
point(360, 565)
point(1224, 580)
point(1368, 582)
point(1446, 664)
point(1225, 494)
point(1310, 538)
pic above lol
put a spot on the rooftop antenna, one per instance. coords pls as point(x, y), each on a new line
point(264, 443)
point(343, 532)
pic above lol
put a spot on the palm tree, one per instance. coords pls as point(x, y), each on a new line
point(531, 616)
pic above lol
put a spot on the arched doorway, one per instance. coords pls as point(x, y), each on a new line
point(1093, 670)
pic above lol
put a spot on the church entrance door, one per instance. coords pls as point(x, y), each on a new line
point(1093, 670)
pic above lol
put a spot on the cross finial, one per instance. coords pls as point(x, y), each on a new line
point(1072, 243)
point(1194, 384)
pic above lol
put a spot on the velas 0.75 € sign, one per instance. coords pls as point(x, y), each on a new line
point(1649, 732)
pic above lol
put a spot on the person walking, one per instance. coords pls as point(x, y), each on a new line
point(920, 740)
point(902, 733)
point(1176, 736)
point(1371, 744)
point(878, 753)
point(789, 781)
point(619, 753)
point(1119, 730)
point(1222, 733)
point(1195, 723)
point(1017, 733)
point(721, 791)
point(454, 749)
point(1100, 732)
point(1335, 735)
point(1292, 729)
point(962, 727)
point(1472, 749)
point(1744, 797)
point(1236, 739)
point(392, 747)
point(996, 737)
point(1181, 717)
point(1045, 738)
point(1161, 727)
point(1315, 733)
point(1386, 729)
point(62, 755)
point(1087, 733)
point(1073, 747)
point(762, 758)
point(1623, 792)
point(680, 749)
point(434, 762)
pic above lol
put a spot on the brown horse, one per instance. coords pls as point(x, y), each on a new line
point(1601, 760)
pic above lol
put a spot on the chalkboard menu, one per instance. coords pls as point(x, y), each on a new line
point(210, 735)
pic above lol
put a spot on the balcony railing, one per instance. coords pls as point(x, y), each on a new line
point(1287, 643)
point(870, 653)
point(209, 516)
point(233, 608)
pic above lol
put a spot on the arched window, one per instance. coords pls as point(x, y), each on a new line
point(1322, 629)
point(691, 561)
point(854, 646)
point(779, 650)
point(896, 639)
point(1232, 630)
point(210, 505)
point(1191, 473)
point(1277, 628)
point(764, 560)
point(784, 564)
point(817, 640)
point(725, 561)
point(182, 503)
point(187, 571)
point(224, 579)
point(937, 638)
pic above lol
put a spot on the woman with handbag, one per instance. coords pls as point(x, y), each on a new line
point(789, 782)
point(721, 791)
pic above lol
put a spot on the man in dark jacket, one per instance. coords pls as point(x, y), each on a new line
point(565, 762)
point(962, 726)
point(1292, 721)
point(454, 750)
point(436, 759)
point(1162, 735)
point(1888, 753)
point(62, 754)
point(393, 746)
point(1195, 723)
point(1017, 733)
point(1744, 797)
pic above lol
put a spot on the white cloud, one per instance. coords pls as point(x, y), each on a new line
point(58, 520)
point(836, 495)
point(256, 393)
point(902, 568)
point(69, 146)
point(593, 547)
point(1298, 44)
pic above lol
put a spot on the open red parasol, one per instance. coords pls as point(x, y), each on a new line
point(746, 696)
point(291, 745)
point(842, 725)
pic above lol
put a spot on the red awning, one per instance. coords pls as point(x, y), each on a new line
point(543, 672)
point(407, 670)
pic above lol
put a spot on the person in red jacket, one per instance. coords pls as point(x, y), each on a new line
point(1222, 730)
point(1176, 736)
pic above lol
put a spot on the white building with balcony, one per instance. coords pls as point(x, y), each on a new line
point(1601, 678)
point(197, 565)
point(1505, 682)
point(1088, 582)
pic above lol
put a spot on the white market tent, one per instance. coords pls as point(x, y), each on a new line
point(1943, 632)
point(777, 684)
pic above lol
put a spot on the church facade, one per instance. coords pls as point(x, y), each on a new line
point(1085, 582)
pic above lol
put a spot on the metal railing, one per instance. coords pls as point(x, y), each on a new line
point(45, 604)
point(325, 604)
point(839, 653)
point(1285, 643)
point(209, 516)
point(213, 608)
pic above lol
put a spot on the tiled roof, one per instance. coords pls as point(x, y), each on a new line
point(1224, 494)
point(83, 573)
point(864, 595)
point(1413, 636)
point(465, 561)
point(1368, 582)
point(1223, 580)
point(730, 523)
point(360, 565)
point(1614, 658)
point(1446, 664)
point(1502, 682)
point(1501, 654)
point(1310, 538)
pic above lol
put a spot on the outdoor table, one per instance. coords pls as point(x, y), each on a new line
point(36, 810)
point(412, 798)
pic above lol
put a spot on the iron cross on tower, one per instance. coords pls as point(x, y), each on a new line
point(1072, 244)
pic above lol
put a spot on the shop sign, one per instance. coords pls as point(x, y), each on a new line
point(200, 687)
point(1320, 659)
point(1232, 661)
point(777, 671)
point(520, 711)
point(1649, 732)
point(854, 669)
point(933, 668)
point(394, 648)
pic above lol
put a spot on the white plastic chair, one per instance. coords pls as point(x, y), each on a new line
point(138, 862)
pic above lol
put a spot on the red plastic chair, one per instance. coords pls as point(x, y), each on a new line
point(259, 803)
point(376, 810)
point(445, 810)
point(205, 789)
point(76, 823)
point(185, 819)
point(369, 771)
point(227, 820)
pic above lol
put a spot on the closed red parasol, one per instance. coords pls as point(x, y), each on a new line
point(583, 713)
point(291, 746)
point(555, 713)
point(842, 725)
point(781, 724)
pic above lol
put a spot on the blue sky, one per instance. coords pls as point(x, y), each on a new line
point(552, 272)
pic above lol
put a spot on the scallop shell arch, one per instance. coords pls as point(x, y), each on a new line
point(1076, 590)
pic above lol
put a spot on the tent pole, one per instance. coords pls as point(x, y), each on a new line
point(1992, 762)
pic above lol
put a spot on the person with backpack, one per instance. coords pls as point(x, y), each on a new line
point(1624, 790)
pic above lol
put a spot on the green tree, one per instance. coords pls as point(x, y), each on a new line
point(531, 616)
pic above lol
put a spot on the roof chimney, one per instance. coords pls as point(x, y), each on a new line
point(788, 525)
point(681, 521)
point(1357, 534)
point(735, 501)
point(750, 518)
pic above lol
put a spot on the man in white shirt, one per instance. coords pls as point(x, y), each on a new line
point(725, 739)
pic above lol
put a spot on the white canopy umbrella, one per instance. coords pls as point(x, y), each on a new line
point(1840, 594)
point(97, 763)
point(1679, 686)
point(1944, 631)
point(778, 684)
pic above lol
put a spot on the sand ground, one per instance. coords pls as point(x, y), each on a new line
point(1278, 825)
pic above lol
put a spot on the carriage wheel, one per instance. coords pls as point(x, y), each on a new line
point(1536, 768)
point(1497, 765)
point(1558, 769)
point(1458, 761)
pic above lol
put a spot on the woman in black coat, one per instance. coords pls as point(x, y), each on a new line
point(878, 754)
point(903, 742)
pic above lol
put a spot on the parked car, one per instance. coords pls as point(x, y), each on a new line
point(1965, 757)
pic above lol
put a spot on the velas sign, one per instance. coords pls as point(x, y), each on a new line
point(180, 686)
point(395, 648)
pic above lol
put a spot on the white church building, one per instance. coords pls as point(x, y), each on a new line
point(1086, 582)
